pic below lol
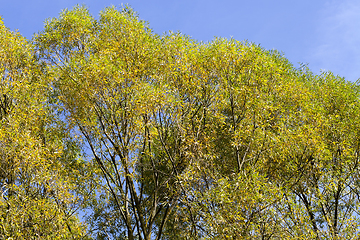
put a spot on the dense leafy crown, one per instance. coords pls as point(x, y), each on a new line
point(152, 136)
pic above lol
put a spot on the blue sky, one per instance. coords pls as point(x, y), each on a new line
point(324, 34)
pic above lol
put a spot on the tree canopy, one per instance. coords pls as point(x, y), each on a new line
point(110, 131)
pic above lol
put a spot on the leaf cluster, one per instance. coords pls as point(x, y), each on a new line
point(164, 137)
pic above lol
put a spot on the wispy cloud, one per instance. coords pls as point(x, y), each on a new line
point(338, 39)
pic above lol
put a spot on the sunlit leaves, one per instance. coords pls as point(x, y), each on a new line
point(35, 195)
point(180, 139)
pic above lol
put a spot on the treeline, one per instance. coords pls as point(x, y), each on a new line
point(109, 131)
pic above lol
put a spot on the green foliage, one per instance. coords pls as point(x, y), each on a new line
point(163, 137)
point(36, 196)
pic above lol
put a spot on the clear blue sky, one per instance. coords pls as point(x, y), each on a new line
point(324, 34)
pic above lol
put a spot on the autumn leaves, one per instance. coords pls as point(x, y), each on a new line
point(163, 137)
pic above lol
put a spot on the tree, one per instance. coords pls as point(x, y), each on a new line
point(35, 197)
point(106, 72)
point(164, 137)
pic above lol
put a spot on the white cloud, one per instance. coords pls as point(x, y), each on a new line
point(338, 41)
